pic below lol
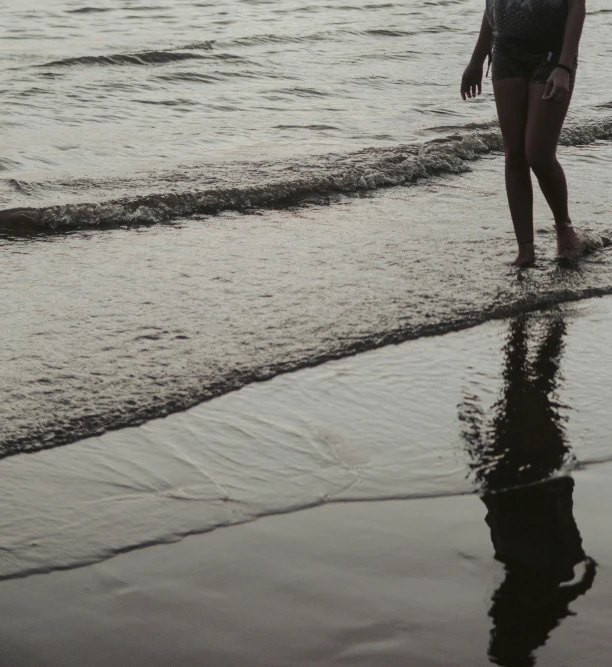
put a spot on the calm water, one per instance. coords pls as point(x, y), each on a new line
point(288, 120)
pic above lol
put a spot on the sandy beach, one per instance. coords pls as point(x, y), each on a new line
point(499, 566)
point(272, 393)
point(389, 583)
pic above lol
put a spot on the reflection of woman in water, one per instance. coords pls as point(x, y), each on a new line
point(530, 515)
point(535, 536)
point(524, 441)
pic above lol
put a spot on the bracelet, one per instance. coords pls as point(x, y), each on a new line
point(566, 68)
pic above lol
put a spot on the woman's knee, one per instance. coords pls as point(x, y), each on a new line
point(541, 160)
point(516, 157)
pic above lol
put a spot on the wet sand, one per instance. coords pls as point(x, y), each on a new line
point(431, 417)
point(389, 583)
point(521, 569)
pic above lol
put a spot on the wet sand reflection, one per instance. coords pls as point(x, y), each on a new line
point(516, 449)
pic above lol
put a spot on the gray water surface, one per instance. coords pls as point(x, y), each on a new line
point(432, 417)
point(103, 329)
point(123, 298)
point(123, 98)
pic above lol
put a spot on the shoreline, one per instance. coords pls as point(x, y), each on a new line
point(386, 583)
point(395, 423)
point(501, 566)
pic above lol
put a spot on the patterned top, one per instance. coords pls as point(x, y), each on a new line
point(529, 20)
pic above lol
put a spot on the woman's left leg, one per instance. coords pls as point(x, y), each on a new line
point(544, 122)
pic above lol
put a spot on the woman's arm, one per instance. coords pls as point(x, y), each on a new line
point(483, 45)
point(471, 83)
point(573, 31)
point(558, 85)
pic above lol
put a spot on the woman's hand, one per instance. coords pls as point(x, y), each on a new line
point(471, 82)
point(558, 86)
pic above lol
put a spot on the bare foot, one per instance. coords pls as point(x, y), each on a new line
point(568, 242)
point(525, 257)
point(573, 243)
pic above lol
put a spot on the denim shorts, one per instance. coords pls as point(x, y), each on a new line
point(512, 58)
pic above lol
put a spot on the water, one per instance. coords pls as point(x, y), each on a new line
point(128, 102)
point(431, 417)
point(125, 127)
point(131, 86)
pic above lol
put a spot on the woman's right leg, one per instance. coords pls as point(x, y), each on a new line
point(545, 120)
point(512, 100)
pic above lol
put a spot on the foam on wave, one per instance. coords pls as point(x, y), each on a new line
point(368, 169)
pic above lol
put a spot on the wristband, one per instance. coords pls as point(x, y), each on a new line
point(566, 68)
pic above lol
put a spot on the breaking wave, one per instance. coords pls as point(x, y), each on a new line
point(364, 170)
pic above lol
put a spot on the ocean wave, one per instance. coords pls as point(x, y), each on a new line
point(191, 51)
point(56, 432)
point(6, 164)
point(141, 58)
point(89, 10)
point(275, 38)
point(364, 170)
point(381, 32)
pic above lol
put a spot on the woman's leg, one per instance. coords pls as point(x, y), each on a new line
point(512, 100)
point(544, 123)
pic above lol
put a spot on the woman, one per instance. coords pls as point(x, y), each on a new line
point(534, 49)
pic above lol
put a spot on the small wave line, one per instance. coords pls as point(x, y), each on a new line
point(368, 169)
